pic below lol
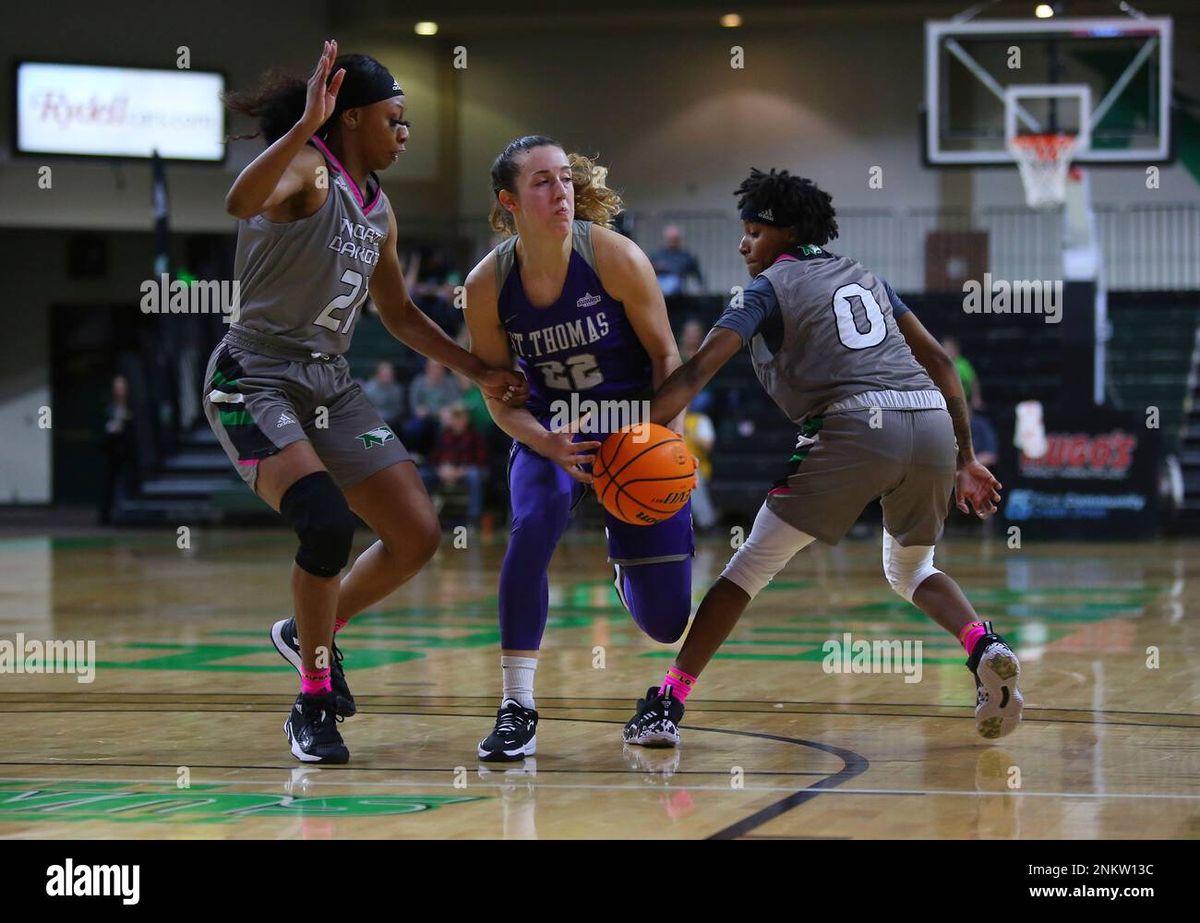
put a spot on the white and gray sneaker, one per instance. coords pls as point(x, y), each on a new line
point(515, 735)
point(656, 723)
point(998, 701)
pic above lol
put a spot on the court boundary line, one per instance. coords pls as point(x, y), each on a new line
point(698, 706)
point(175, 709)
point(1157, 796)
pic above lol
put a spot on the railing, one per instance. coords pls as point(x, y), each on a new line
point(1146, 247)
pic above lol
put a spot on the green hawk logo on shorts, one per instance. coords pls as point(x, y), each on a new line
point(377, 436)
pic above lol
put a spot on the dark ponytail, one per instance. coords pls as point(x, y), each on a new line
point(279, 99)
point(277, 102)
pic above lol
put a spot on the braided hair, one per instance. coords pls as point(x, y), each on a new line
point(783, 200)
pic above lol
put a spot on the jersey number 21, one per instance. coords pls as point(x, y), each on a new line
point(357, 295)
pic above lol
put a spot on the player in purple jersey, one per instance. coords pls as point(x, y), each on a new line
point(578, 309)
point(317, 235)
point(881, 413)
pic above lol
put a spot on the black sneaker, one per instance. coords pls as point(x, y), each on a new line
point(287, 642)
point(998, 701)
point(656, 723)
point(311, 729)
point(515, 735)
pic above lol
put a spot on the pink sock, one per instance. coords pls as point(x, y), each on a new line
point(315, 682)
point(970, 634)
point(679, 683)
point(339, 624)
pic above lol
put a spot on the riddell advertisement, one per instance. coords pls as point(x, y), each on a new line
point(119, 112)
point(1094, 476)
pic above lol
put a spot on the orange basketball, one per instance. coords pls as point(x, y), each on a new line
point(643, 474)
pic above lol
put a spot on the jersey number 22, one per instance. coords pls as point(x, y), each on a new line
point(578, 374)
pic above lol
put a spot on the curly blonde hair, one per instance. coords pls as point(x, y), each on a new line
point(594, 201)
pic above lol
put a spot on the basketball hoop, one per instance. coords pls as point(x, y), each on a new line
point(1044, 161)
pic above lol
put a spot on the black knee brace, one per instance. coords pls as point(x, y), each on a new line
point(317, 511)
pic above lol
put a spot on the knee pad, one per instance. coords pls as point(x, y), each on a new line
point(906, 568)
point(770, 545)
point(319, 515)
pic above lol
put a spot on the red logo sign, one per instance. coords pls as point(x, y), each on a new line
point(1078, 455)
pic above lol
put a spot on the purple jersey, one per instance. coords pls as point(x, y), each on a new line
point(583, 343)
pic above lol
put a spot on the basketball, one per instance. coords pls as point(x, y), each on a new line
point(644, 480)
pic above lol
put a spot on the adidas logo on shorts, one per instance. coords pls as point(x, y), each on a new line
point(285, 419)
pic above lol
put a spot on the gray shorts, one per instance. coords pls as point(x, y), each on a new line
point(842, 463)
point(257, 405)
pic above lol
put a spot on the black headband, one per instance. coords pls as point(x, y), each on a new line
point(766, 216)
point(362, 88)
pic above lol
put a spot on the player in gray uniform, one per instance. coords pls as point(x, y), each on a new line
point(316, 239)
point(881, 414)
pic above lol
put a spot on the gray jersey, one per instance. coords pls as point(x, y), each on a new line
point(823, 337)
point(303, 283)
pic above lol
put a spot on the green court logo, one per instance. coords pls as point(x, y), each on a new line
point(377, 436)
point(41, 800)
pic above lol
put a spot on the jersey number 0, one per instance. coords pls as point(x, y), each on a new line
point(849, 331)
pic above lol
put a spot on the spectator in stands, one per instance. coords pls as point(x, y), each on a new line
point(460, 455)
point(984, 439)
point(966, 372)
point(437, 283)
point(430, 393)
point(690, 338)
point(477, 412)
point(699, 436)
point(673, 265)
point(386, 394)
point(118, 448)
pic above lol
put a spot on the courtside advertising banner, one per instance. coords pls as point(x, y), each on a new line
point(119, 111)
point(1094, 475)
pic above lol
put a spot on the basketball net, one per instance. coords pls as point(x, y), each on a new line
point(1043, 161)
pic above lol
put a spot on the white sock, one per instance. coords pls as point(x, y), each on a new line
point(517, 675)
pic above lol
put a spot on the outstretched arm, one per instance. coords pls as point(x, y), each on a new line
point(489, 343)
point(629, 277)
point(681, 388)
point(411, 326)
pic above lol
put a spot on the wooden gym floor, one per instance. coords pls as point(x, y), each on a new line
point(180, 733)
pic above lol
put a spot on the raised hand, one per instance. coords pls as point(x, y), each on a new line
point(322, 92)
